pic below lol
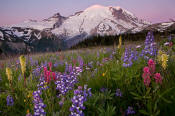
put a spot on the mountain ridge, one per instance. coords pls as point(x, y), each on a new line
point(94, 20)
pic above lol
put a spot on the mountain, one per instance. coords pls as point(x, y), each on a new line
point(161, 27)
point(55, 21)
point(100, 20)
point(59, 32)
point(16, 40)
point(31, 35)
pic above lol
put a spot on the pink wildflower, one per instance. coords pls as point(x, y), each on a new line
point(171, 44)
point(48, 76)
point(45, 72)
point(146, 70)
point(147, 81)
point(146, 76)
point(151, 65)
point(53, 75)
point(50, 66)
point(158, 78)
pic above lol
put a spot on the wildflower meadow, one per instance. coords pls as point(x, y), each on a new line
point(101, 81)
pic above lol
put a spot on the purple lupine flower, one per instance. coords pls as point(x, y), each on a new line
point(90, 64)
point(103, 90)
point(150, 46)
point(0, 78)
point(9, 100)
point(36, 62)
point(31, 61)
point(135, 56)
point(20, 77)
point(78, 70)
point(61, 102)
point(61, 63)
point(44, 64)
point(118, 93)
point(132, 55)
point(130, 110)
point(80, 60)
point(36, 71)
point(42, 84)
point(80, 96)
point(17, 61)
point(128, 57)
point(55, 64)
point(63, 84)
point(170, 38)
point(111, 56)
point(108, 50)
point(67, 81)
point(70, 68)
point(38, 104)
point(98, 54)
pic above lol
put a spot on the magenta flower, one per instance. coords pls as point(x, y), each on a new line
point(149, 71)
point(147, 81)
point(50, 66)
point(54, 76)
point(146, 70)
point(158, 78)
point(146, 76)
point(151, 65)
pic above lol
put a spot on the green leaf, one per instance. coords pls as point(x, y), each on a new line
point(165, 92)
point(155, 106)
point(135, 94)
point(148, 91)
point(144, 112)
point(164, 99)
point(157, 113)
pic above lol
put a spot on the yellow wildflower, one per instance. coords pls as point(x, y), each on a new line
point(120, 42)
point(22, 60)
point(9, 74)
point(29, 94)
point(159, 56)
point(24, 100)
point(45, 84)
point(103, 74)
point(164, 60)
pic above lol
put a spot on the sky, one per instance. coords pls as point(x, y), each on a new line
point(16, 11)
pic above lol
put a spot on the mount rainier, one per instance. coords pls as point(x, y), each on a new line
point(95, 20)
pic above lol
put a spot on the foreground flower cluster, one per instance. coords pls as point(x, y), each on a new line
point(148, 74)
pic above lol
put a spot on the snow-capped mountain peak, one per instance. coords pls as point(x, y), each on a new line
point(95, 7)
point(50, 23)
point(101, 20)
